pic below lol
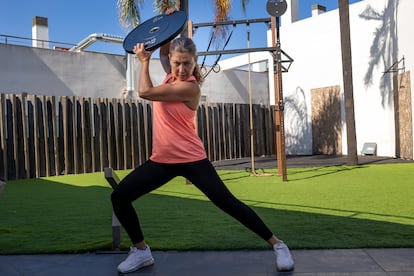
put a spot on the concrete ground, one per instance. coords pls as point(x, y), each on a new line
point(358, 262)
point(338, 262)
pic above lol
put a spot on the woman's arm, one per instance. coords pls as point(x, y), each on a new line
point(144, 83)
point(165, 49)
point(182, 91)
point(165, 57)
point(179, 91)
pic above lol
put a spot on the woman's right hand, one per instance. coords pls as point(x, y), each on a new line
point(142, 54)
point(170, 11)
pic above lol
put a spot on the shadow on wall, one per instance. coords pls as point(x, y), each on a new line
point(326, 121)
point(384, 48)
point(298, 132)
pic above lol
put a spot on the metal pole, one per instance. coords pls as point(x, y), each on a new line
point(279, 104)
point(250, 104)
point(182, 5)
point(232, 22)
point(113, 180)
point(130, 77)
point(2, 186)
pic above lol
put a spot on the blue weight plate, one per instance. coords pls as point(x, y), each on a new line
point(156, 31)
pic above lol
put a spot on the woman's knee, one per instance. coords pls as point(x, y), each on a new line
point(229, 205)
point(117, 197)
point(114, 197)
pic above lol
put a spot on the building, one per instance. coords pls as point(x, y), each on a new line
point(382, 58)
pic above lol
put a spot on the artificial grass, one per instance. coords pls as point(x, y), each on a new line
point(367, 206)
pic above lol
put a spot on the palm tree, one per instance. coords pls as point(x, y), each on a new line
point(129, 13)
point(352, 158)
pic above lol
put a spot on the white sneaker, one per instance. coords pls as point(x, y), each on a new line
point(136, 259)
point(284, 261)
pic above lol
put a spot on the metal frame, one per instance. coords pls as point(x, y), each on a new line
point(276, 51)
point(231, 22)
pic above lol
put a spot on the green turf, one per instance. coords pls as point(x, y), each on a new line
point(329, 207)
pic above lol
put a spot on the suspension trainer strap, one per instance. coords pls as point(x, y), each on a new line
point(208, 48)
point(219, 56)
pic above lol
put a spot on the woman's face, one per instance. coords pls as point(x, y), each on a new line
point(182, 65)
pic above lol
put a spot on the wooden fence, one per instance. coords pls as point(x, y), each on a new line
point(48, 135)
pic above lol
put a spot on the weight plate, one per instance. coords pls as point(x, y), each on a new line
point(156, 31)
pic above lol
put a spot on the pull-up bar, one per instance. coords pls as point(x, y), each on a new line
point(272, 50)
point(231, 22)
point(237, 51)
point(195, 26)
point(276, 51)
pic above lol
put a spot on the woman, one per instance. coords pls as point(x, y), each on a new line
point(178, 151)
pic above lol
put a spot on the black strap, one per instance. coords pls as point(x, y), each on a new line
point(215, 65)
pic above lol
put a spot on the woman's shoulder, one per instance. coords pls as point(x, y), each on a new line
point(192, 78)
point(169, 77)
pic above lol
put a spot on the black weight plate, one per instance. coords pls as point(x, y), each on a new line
point(156, 31)
point(276, 7)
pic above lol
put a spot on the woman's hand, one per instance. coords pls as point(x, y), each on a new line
point(170, 11)
point(142, 54)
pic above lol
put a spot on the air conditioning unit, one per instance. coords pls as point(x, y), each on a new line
point(369, 149)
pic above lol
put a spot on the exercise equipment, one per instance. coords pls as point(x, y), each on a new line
point(114, 180)
point(276, 7)
point(155, 31)
point(216, 67)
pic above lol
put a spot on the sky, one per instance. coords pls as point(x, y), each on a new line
point(72, 21)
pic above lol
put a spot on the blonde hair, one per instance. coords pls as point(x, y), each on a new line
point(187, 45)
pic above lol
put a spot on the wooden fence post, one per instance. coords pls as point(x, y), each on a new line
point(46, 134)
point(55, 132)
point(75, 131)
point(24, 118)
point(65, 119)
point(3, 136)
point(82, 135)
point(33, 101)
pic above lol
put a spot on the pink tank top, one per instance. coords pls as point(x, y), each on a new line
point(174, 138)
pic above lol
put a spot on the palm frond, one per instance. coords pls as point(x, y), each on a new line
point(129, 12)
point(222, 10)
point(244, 4)
point(160, 6)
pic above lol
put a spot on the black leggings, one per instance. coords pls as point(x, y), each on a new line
point(151, 175)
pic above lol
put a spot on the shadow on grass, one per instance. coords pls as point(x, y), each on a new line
point(306, 163)
point(317, 172)
point(42, 216)
point(294, 174)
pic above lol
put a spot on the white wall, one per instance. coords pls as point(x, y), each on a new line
point(49, 72)
point(53, 72)
point(380, 36)
point(377, 42)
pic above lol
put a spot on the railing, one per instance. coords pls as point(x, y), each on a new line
point(23, 41)
point(50, 135)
